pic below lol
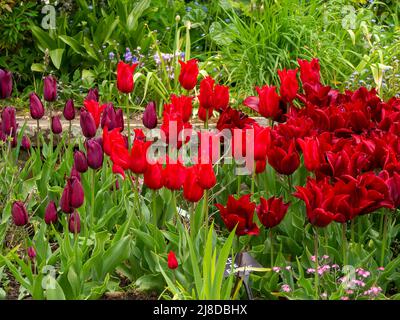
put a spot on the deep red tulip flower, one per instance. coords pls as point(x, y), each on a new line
point(31, 253)
point(80, 161)
point(119, 119)
point(172, 261)
point(6, 84)
point(72, 196)
point(261, 142)
point(284, 161)
point(206, 93)
point(150, 116)
point(220, 97)
point(19, 214)
point(269, 101)
point(202, 113)
point(174, 120)
point(56, 126)
point(50, 215)
point(25, 143)
point(93, 94)
point(94, 153)
point(289, 84)
point(207, 178)
point(8, 121)
point(112, 138)
point(138, 158)
point(153, 176)
point(192, 191)
point(95, 110)
point(75, 173)
point(321, 202)
point(234, 119)
point(125, 76)
point(313, 158)
point(50, 88)
point(36, 106)
point(108, 117)
point(88, 124)
point(309, 71)
point(188, 74)
point(182, 105)
point(74, 222)
point(239, 213)
point(174, 175)
point(393, 184)
point(272, 211)
point(69, 110)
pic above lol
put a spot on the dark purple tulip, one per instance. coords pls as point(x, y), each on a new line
point(108, 117)
point(9, 122)
point(77, 194)
point(5, 84)
point(19, 213)
point(50, 88)
point(36, 106)
point(31, 253)
point(80, 162)
point(3, 137)
point(65, 199)
point(74, 223)
point(88, 124)
point(69, 110)
point(93, 94)
point(119, 119)
point(25, 143)
point(94, 154)
point(50, 215)
point(56, 126)
point(150, 116)
point(99, 140)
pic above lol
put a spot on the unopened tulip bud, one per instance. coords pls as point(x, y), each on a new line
point(50, 215)
point(119, 119)
point(94, 154)
point(6, 84)
point(150, 116)
point(19, 214)
point(56, 126)
point(69, 110)
point(93, 94)
point(50, 88)
point(88, 124)
point(8, 121)
point(36, 106)
point(31, 253)
point(74, 223)
point(80, 162)
point(25, 143)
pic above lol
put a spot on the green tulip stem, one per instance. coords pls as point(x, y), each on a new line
point(316, 282)
point(93, 195)
point(384, 239)
point(37, 134)
point(128, 97)
point(344, 244)
point(271, 240)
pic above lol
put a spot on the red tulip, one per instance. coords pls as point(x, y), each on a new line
point(125, 76)
point(50, 215)
point(36, 106)
point(271, 211)
point(309, 71)
point(239, 213)
point(283, 160)
point(56, 126)
point(313, 157)
point(19, 214)
point(172, 261)
point(69, 110)
point(153, 176)
point(202, 113)
point(393, 184)
point(74, 223)
point(112, 138)
point(192, 191)
point(261, 142)
point(207, 179)
point(6, 84)
point(50, 88)
point(260, 166)
point(213, 97)
point(188, 74)
point(269, 101)
point(174, 175)
point(88, 124)
point(289, 84)
point(183, 105)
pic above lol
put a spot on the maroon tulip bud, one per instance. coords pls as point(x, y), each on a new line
point(9, 122)
point(50, 215)
point(65, 199)
point(69, 110)
point(75, 173)
point(50, 88)
point(56, 126)
point(74, 223)
point(36, 106)
point(80, 162)
point(119, 119)
point(150, 116)
point(88, 124)
point(77, 194)
point(108, 117)
point(25, 143)
point(99, 140)
point(3, 137)
point(93, 94)
point(6, 84)
point(94, 154)
point(31, 253)
point(19, 214)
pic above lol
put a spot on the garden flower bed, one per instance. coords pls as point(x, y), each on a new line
point(288, 189)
